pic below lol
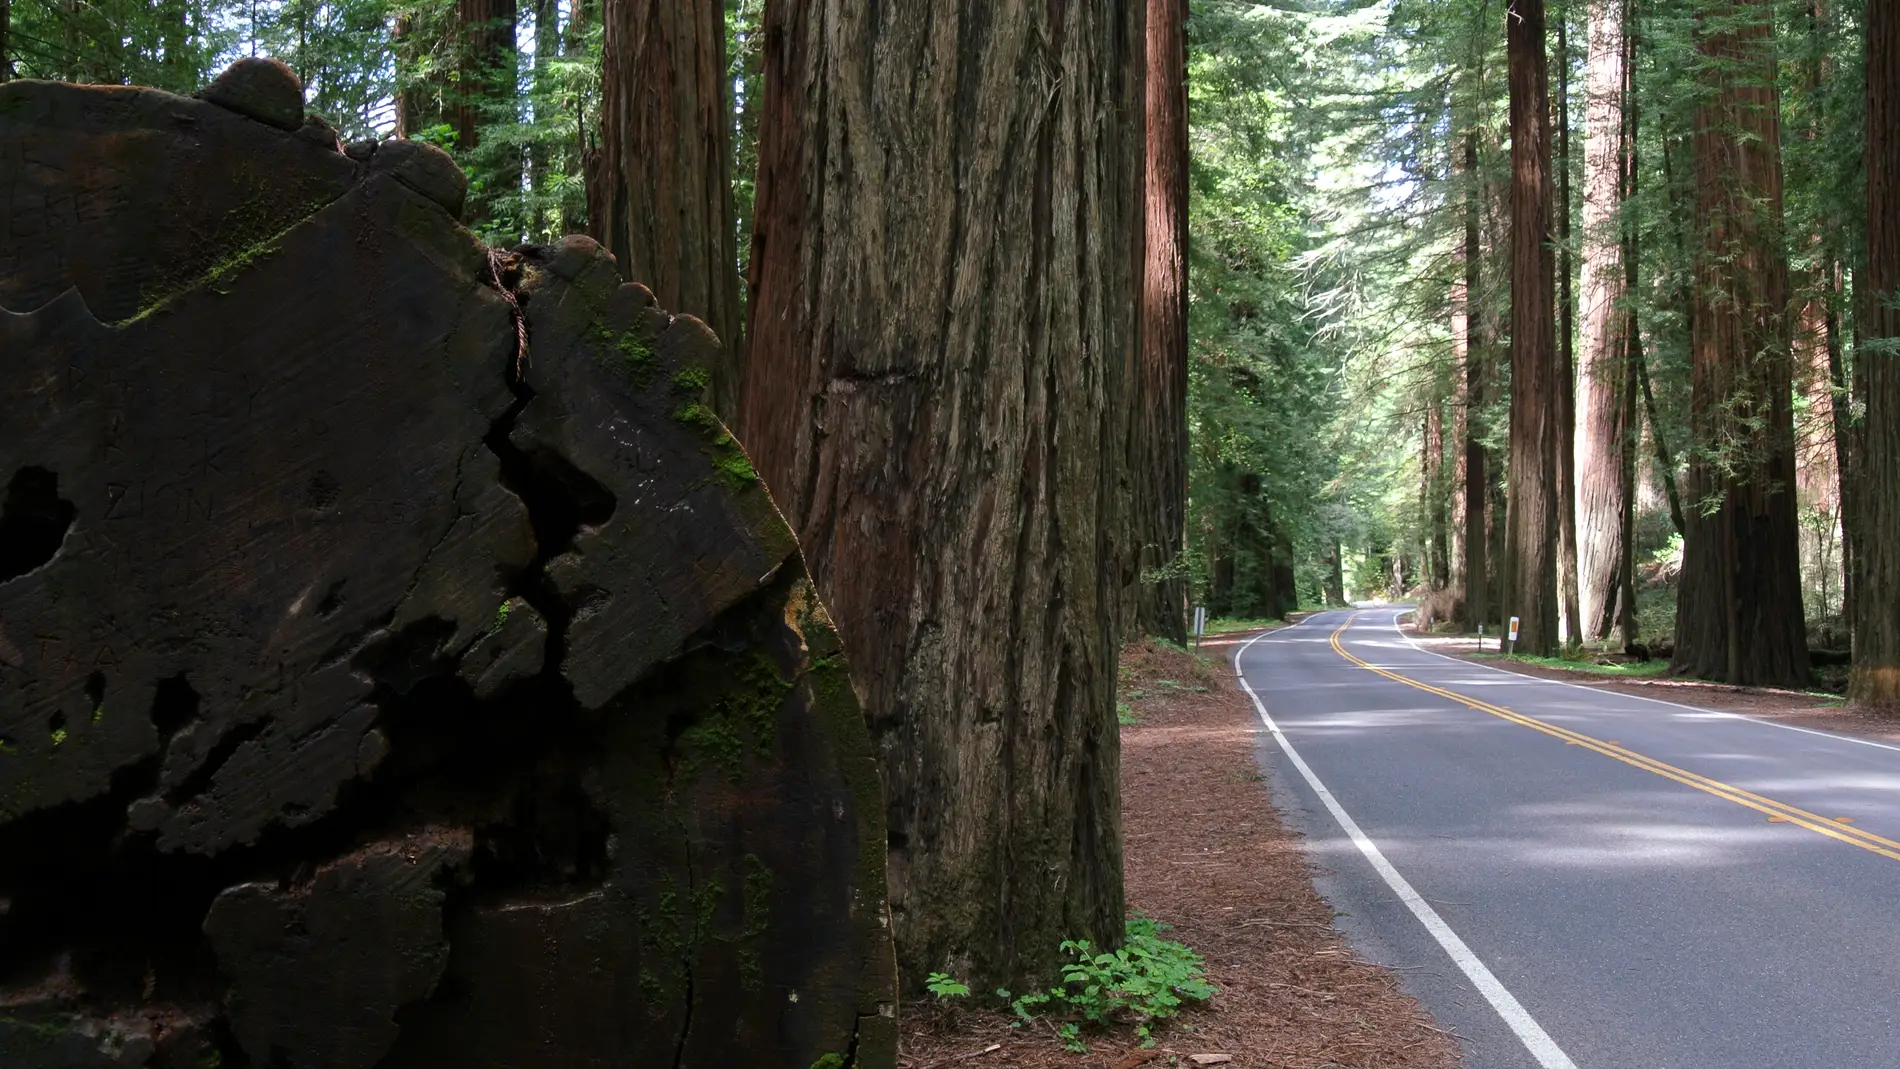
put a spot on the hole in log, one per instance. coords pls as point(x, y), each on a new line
point(33, 522)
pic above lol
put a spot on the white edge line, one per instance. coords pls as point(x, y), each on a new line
point(1545, 1049)
point(1718, 713)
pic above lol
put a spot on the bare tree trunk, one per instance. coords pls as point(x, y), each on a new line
point(6, 47)
point(660, 197)
point(1876, 672)
point(487, 62)
point(402, 42)
point(486, 31)
point(547, 44)
point(1606, 446)
point(1160, 403)
point(1665, 463)
point(943, 296)
point(1455, 518)
point(1477, 606)
point(1532, 541)
point(1437, 572)
point(1818, 475)
point(1568, 603)
point(1739, 612)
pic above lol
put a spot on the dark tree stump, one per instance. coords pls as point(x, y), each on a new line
point(374, 692)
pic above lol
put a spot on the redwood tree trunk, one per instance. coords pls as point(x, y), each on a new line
point(487, 82)
point(1160, 408)
point(660, 192)
point(943, 306)
point(1532, 538)
point(487, 57)
point(1566, 360)
point(1876, 674)
point(1477, 604)
point(1606, 446)
point(1437, 572)
point(1739, 612)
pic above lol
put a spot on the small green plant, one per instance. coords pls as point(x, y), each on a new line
point(1125, 714)
point(945, 986)
point(1147, 980)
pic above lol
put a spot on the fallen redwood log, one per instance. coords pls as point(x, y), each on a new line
point(398, 666)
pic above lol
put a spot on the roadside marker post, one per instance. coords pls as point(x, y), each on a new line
point(1480, 638)
point(1512, 648)
point(1200, 624)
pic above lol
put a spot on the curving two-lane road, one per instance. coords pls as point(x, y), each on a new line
point(1569, 876)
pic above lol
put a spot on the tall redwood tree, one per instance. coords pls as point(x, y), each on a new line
point(659, 190)
point(1739, 614)
point(942, 333)
point(1159, 422)
point(1876, 673)
point(1606, 441)
point(1532, 540)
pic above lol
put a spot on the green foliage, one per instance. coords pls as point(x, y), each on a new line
point(945, 987)
point(1149, 979)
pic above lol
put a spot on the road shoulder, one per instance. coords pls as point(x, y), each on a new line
point(1208, 854)
point(1790, 708)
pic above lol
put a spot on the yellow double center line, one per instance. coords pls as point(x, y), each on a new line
point(1780, 811)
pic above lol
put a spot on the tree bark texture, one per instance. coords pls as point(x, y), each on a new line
point(1876, 673)
point(1566, 359)
point(1532, 539)
point(660, 193)
point(943, 321)
point(1159, 412)
point(1739, 611)
point(1477, 604)
point(1606, 445)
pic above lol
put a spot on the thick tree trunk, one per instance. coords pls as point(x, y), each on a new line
point(1566, 361)
point(1606, 446)
point(1739, 612)
point(1876, 673)
point(1533, 540)
point(660, 194)
point(1477, 605)
point(6, 48)
point(943, 306)
point(1160, 405)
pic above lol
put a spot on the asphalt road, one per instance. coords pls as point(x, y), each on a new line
point(1568, 876)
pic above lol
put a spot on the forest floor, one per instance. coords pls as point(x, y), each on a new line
point(1805, 709)
point(1207, 854)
